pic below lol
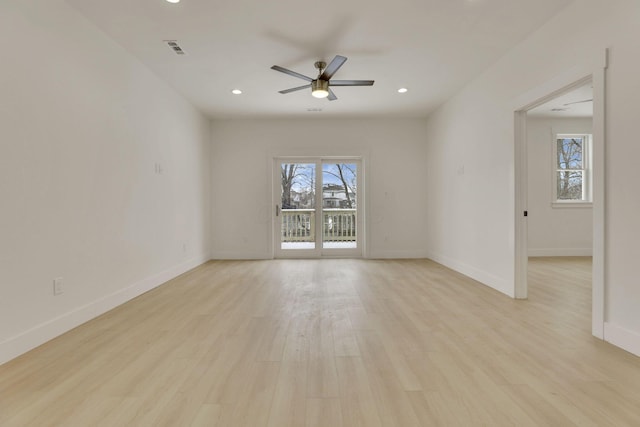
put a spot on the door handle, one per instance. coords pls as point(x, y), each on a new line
point(277, 210)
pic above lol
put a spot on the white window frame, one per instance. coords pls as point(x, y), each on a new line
point(587, 187)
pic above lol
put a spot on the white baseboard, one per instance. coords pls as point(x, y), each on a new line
point(38, 335)
point(222, 255)
point(484, 277)
point(396, 255)
point(547, 252)
point(623, 338)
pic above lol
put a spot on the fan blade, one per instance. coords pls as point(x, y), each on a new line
point(333, 66)
point(291, 73)
point(351, 83)
point(293, 89)
point(332, 96)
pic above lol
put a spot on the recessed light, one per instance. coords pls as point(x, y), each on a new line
point(403, 90)
point(236, 91)
point(173, 1)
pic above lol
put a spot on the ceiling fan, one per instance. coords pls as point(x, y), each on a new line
point(321, 86)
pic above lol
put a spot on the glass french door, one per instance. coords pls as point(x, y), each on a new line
point(316, 207)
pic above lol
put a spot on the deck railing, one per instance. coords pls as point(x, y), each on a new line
point(299, 225)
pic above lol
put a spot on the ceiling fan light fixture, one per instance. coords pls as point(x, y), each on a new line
point(320, 88)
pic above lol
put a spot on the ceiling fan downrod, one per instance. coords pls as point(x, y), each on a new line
point(320, 65)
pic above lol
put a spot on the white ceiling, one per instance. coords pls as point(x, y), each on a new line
point(577, 103)
point(432, 47)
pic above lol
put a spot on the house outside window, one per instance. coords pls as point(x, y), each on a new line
point(572, 170)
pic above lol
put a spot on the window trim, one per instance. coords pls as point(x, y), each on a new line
point(587, 167)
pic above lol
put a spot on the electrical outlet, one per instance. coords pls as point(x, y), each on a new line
point(58, 287)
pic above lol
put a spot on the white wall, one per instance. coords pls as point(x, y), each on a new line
point(554, 231)
point(82, 127)
point(472, 215)
point(394, 152)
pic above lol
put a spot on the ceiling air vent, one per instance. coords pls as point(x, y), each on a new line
point(174, 46)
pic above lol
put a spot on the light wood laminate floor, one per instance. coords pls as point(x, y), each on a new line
point(333, 343)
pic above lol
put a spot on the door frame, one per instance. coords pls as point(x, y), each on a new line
point(596, 74)
point(319, 251)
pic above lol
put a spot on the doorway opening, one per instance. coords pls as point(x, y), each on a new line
point(559, 202)
point(572, 181)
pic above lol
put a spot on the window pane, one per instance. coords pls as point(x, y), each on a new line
point(570, 185)
point(339, 185)
point(339, 189)
point(298, 205)
point(298, 185)
point(569, 153)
